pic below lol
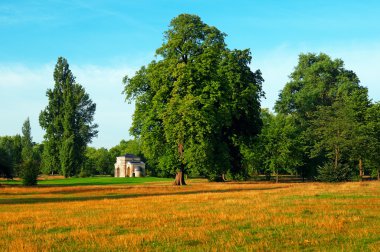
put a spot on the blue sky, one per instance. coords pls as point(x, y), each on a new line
point(105, 40)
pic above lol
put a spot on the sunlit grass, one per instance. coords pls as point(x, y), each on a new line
point(197, 217)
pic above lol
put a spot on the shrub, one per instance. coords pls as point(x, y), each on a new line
point(29, 171)
point(328, 173)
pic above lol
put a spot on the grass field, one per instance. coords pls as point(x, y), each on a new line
point(199, 217)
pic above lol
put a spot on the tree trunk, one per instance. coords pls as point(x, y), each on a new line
point(361, 171)
point(180, 177)
point(224, 179)
point(276, 176)
point(336, 157)
point(378, 174)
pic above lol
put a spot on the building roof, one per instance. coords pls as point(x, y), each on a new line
point(130, 156)
point(135, 162)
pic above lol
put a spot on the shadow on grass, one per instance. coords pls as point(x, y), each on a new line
point(92, 182)
point(122, 196)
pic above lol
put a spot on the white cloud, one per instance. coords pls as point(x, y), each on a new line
point(16, 75)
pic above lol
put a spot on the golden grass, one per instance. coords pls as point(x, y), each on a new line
point(198, 217)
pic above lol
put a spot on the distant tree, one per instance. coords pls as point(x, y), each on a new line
point(68, 122)
point(38, 150)
point(198, 104)
point(26, 141)
point(29, 168)
point(6, 169)
point(276, 148)
point(334, 132)
point(319, 89)
point(132, 146)
point(98, 162)
point(11, 147)
point(373, 127)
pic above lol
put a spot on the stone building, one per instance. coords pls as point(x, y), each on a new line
point(129, 165)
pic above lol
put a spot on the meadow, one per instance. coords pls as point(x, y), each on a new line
point(154, 215)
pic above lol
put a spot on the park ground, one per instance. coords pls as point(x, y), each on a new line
point(144, 214)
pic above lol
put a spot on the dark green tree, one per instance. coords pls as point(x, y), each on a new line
point(276, 148)
point(317, 86)
point(29, 168)
point(333, 129)
point(26, 141)
point(11, 148)
point(198, 104)
point(6, 168)
point(373, 127)
point(29, 171)
point(98, 162)
point(68, 122)
point(126, 146)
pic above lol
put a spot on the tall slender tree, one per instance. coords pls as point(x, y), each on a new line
point(26, 141)
point(29, 168)
point(68, 121)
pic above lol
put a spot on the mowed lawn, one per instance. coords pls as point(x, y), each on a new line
point(198, 217)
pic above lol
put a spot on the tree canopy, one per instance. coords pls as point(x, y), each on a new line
point(68, 122)
point(197, 104)
point(330, 107)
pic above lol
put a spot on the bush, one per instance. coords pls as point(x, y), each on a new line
point(29, 171)
point(84, 174)
point(328, 173)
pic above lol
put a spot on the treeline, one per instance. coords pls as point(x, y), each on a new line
point(97, 161)
point(69, 128)
point(325, 126)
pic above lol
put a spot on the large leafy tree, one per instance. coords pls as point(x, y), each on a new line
point(330, 106)
point(197, 104)
point(68, 122)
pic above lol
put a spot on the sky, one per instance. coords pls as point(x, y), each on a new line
point(105, 40)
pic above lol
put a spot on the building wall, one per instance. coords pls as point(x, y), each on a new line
point(125, 167)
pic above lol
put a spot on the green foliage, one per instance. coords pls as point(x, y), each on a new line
point(276, 148)
point(330, 172)
point(198, 104)
point(330, 107)
point(373, 129)
point(98, 162)
point(314, 82)
point(10, 155)
point(126, 146)
point(26, 141)
point(68, 122)
point(6, 168)
point(29, 170)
